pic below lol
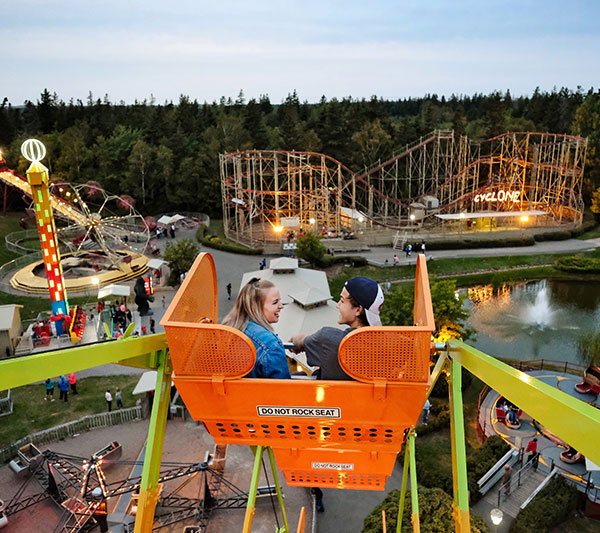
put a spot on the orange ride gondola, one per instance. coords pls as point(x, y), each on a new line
point(336, 434)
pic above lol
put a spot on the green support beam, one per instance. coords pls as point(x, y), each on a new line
point(20, 371)
point(403, 490)
point(459, 453)
point(149, 489)
point(573, 420)
point(414, 488)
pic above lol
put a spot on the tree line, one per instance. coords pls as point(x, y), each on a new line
point(166, 155)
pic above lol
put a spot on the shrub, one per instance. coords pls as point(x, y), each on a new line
point(180, 255)
point(548, 509)
point(479, 462)
point(435, 513)
point(553, 236)
point(214, 241)
point(310, 248)
point(578, 264)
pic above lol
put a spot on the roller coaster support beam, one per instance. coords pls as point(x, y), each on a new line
point(138, 351)
point(149, 487)
point(569, 418)
point(459, 455)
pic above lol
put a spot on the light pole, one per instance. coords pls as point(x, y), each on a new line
point(496, 515)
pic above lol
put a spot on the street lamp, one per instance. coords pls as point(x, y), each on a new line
point(496, 515)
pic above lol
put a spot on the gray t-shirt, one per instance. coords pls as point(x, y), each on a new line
point(321, 350)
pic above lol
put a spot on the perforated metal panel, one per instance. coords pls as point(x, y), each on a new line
point(197, 298)
point(333, 479)
point(206, 351)
point(335, 469)
point(393, 354)
point(312, 433)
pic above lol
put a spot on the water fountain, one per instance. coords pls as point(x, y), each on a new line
point(539, 314)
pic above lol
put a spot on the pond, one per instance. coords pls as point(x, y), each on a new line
point(534, 320)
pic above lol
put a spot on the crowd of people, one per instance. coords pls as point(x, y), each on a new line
point(63, 386)
point(119, 313)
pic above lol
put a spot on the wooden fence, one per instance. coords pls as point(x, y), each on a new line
point(113, 418)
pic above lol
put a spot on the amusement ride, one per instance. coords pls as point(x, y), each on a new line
point(334, 434)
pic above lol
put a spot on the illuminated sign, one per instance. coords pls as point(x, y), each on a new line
point(498, 196)
point(148, 286)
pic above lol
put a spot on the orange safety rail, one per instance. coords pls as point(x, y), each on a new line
point(308, 423)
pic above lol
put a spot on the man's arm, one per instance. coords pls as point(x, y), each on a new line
point(298, 342)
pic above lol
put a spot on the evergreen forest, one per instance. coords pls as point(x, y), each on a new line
point(165, 156)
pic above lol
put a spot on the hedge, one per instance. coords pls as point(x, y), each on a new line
point(435, 513)
point(354, 260)
point(214, 241)
point(479, 461)
point(551, 507)
point(454, 244)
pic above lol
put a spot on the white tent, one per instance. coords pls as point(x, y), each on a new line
point(164, 220)
point(146, 383)
point(155, 263)
point(177, 218)
point(114, 290)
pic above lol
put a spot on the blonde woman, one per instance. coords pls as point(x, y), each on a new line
point(257, 307)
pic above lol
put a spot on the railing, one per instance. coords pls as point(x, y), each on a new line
point(494, 474)
point(6, 404)
point(515, 481)
point(583, 485)
point(16, 264)
point(481, 418)
point(69, 429)
point(550, 364)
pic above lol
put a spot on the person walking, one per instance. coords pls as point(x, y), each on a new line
point(532, 453)
point(108, 397)
point(318, 494)
point(426, 409)
point(73, 383)
point(119, 399)
point(163, 302)
point(396, 260)
point(228, 291)
point(506, 477)
point(49, 383)
point(152, 325)
point(423, 247)
point(63, 385)
point(408, 249)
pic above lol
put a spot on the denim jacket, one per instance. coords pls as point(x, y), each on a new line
point(271, 361)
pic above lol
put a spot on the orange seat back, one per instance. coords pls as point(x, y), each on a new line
point(313, 426)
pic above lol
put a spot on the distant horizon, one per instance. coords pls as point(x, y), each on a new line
point(148, 99)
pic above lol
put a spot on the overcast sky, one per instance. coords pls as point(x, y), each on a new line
point(132, 49)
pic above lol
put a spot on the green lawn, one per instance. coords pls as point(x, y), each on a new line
point(31, 413)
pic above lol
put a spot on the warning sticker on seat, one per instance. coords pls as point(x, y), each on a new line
point(302, 412)
point(333, 466)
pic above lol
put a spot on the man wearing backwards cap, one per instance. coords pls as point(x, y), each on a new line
point(360, 302)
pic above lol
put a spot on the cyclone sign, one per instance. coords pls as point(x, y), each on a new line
point(33, 150)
